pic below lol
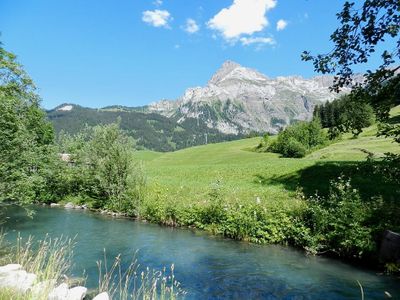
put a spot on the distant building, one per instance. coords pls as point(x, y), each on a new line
point(66, 157)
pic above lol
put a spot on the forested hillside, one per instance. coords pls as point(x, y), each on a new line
point(150, 131)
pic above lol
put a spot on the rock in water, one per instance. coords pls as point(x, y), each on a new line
point(390, 247)
point(102, 296)
point(42, 287)
point(69, 205)
point(59, 293)
point(18, 280)
point(10, 268)
point(76, 293)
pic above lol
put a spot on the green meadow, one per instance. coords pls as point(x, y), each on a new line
point(188, 174)
point(231, 190)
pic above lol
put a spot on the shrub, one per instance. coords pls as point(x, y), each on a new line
point(293, 148)
point(298, 139)
point(103, 168)
point(264, 143)
point(339, 222)
point(214, 211)
point(388, 167)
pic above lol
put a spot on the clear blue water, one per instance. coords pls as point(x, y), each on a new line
point(208, 267)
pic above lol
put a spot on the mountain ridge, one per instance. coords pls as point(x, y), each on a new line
point(235, 102)
point(150, 130)
point(239, 100)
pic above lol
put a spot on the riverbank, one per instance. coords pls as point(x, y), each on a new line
point(355, 261)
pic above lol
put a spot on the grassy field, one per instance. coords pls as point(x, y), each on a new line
point(230, 189)
point(188, 174)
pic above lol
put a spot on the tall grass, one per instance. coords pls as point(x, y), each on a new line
point(50, 259)
point(133, 284)
point(4, 249)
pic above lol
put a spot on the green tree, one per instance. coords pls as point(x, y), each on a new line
point(355, 116)
point(362, 31)
point(26, 137)
point(14, 81)
point(347, 114)
point(103, 167)
point(323, 114)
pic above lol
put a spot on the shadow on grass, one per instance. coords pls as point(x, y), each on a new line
point(316, 179)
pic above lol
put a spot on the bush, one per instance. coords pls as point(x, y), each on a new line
point(264, 143)
point(298, 139)
point(339, 223)
point(218, 213)
point(102, 169)
point(293, 148)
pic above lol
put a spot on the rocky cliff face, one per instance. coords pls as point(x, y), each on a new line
point(239, 100)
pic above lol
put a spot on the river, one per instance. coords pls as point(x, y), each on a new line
point(208, 267)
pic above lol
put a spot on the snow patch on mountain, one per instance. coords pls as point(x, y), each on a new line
point(67, 107)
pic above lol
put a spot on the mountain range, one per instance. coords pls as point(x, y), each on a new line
point(235, 102)
point(240, 100)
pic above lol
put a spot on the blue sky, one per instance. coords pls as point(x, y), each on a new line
point(132, 52)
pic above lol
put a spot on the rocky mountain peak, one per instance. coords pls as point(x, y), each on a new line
point(231, 72)
point(226, 68)
point(239, 100)
point(229, 65)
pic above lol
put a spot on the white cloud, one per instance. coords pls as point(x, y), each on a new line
point(281, 24)
point(257, 40)
point(242, 17)
point(158, 2)
point(157, 18)
point(177, 46)
point(191, 26)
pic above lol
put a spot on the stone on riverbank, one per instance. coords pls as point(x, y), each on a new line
point(62, 292)
point(102, 296)
point(10, 268)
point(69, 205)
point(76, 293)
point(42, 287)
point(59, 293)
point(390, 247)
point(16, 278)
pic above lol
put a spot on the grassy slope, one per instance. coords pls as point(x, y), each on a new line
point(187, 175)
